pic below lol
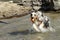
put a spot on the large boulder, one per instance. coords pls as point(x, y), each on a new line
point(57, 4)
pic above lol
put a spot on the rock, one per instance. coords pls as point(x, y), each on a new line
point(8, 9)
point(57, 4)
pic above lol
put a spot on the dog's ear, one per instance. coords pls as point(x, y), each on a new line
point(31, 14)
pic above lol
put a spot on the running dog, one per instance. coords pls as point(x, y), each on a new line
point(40, 22)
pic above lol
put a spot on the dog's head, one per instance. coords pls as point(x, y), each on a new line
point(33, 16)
point(37, 15)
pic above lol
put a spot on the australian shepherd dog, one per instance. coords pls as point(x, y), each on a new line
point(40, 22)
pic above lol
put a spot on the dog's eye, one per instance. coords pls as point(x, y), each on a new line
point(34, 15)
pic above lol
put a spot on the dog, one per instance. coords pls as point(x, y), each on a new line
point(40, 22)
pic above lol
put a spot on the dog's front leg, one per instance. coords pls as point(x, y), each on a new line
point(36, 28)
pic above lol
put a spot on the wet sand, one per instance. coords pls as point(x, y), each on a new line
point(16, 29)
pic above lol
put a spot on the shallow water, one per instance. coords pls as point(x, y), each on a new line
point(16, 29)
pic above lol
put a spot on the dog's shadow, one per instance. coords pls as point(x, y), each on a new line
point(25, 32)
